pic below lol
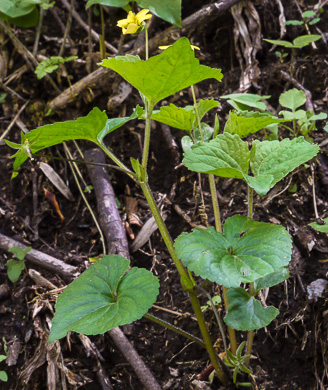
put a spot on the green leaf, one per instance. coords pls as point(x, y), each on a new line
point(216, 126)
point(292, 99)
point(180, 118)
point(168, 10)
point(51, 64)
point(15, 269)
point(26, 21)
point(298, 42)
point(279, 42)
point(247, 99)
point(273, 160)
point(207, 131)
point(186, 143)
point(104, 297)
point(320, 228)
point(294, 22)
point(174, 69)
point(92, 127)
point(305, 40)
point(183, 118)
point(247, 251)
point(109, 3)
point(314, 21)
point(3, 376)
point(19, 252)
point(226, 155)
point(2, 358)
point(245, 123)
point(272, 279)
point(308, 14)
point(246, 313)
point(16, 8)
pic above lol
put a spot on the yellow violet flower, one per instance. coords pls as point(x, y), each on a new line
point(134, 23)
point(165, 47)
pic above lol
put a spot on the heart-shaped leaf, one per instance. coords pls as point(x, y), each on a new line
point(247, 313)
point(274, 159)
point(168, 10)
point(104, 297)
point(92, 127)
point(292, 99)
point(15, 268)
point(247, 251)
point(183, 118)
point(226, 155)
point(245, 123)
point(163, 75)
point(272, 279)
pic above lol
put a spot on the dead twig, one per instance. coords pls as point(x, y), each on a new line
point(78, 18)
point(131, 355)
point(109, 217)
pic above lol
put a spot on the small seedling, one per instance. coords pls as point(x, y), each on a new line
point(303, 121)
point(16, 266)
point(308, 18)
point(3, 374)
point(51, 64)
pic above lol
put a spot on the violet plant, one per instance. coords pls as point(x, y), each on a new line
point(243, 256)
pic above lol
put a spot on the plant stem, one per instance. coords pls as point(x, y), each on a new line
point(146, 43)
point(197, 113)
point(250, 202)
point(73, 165)
point(250, 333)
point(67, 29)
point(232, 333)
point(174, 329)
point(102, 36)
point(184, 276)
point(145, 153)
point(117, 161)
point(215, 203)
point(218, 227)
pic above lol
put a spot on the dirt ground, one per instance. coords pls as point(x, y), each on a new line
point(292, 352)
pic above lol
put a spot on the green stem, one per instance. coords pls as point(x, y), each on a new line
point(145, 153)
point(197, 113)
point(231, 332)
point(117, 161)
point(102, 36)
point(250, 202)
point(185, 280)
point(218, 227)
point(215, 203)
point(73, 168)
point(146, 43)
point(174, 329)
point(250, 333)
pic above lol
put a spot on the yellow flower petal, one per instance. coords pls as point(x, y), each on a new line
point(123, 23)
point(132, 28)
point(141, 16)
point(164, 47)
point(131, 17)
